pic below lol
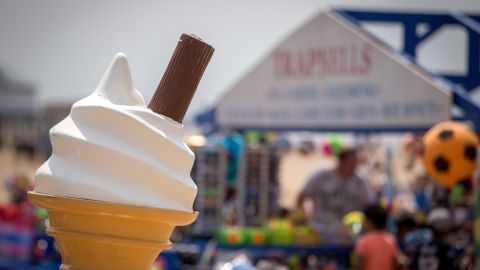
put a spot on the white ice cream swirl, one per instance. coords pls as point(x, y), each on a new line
point(112, 148)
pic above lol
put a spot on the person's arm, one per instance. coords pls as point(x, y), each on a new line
point(359, 262)
point(359, 254)
point(400, 261)
point(307, 191)
point(302, 197)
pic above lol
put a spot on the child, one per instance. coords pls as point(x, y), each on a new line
point(376, 249)
point(438, 253)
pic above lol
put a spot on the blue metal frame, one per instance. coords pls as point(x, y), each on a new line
point(410, 21)
point(411, 40)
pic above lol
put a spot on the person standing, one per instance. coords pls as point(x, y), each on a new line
point(377, 249)
point(336, 192)
point(439, 253)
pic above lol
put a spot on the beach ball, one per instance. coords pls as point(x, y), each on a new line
point(327, 149)
point(336, 143)
point(449, 153)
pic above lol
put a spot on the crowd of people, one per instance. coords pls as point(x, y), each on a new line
point(438, 237)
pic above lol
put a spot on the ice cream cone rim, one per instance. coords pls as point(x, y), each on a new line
point(59, 203)
point(104, 238)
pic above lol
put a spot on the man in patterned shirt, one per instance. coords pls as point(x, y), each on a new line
point(336, 192)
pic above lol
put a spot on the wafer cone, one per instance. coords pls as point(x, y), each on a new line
point(95, 235)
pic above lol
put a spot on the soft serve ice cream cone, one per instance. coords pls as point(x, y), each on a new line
point(118, 181)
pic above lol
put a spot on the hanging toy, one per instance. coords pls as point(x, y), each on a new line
point(450, 153)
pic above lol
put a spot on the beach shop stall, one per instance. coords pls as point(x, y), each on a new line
point(331, 75)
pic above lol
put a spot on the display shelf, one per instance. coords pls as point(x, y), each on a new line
point(260, 250)
point(9, 264)
point(257, 187)
point(209, 174)
point(340, 255)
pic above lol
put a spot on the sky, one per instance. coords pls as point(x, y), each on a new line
point(64, 47)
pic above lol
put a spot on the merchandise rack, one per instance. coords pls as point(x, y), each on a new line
point(209, 174)
point(257, 186)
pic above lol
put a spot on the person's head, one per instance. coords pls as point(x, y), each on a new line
point(405, 224)
point(440, 221)
point(375, 218)
point(347, 162)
